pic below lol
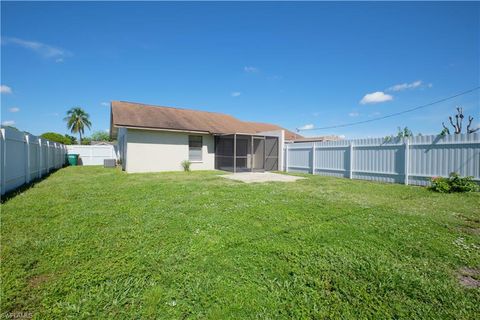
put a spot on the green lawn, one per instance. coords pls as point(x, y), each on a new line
point(91, 242)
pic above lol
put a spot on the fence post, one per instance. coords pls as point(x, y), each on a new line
point(350, 153)
point(4, 160)
point(313, 158)
point(56, 155)
point(286, 157)
point(27, 158)
point(39, 175)
point(407, 159)
point(48, 158)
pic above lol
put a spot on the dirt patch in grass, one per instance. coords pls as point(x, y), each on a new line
point(469, 219)
point(469, 277)
point(470, 230)
point(37, 280)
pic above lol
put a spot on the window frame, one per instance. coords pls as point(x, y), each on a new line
point(190, 147)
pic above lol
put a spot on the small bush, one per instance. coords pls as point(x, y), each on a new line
point(454, 183)
point(100, 136)
point(186, 165)
point(56, 137)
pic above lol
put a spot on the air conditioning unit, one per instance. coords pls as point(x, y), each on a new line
point(109, 163)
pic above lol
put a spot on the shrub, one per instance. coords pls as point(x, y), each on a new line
point(186, 165)
point(73, 139)
point(440, 184)
point(454, 183)
point(56, 137)
point(100, 136)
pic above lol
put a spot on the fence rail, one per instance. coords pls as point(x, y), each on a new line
point(410, 161)
point(25, 157)
point(93, 155)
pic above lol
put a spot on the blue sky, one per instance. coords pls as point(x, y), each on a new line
point(292, 64)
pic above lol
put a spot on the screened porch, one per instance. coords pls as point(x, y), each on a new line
point(246, 153)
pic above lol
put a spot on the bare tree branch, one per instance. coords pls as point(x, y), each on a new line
point(446, 130)
point(470, 119)
point(459, 115)
point(458, 125)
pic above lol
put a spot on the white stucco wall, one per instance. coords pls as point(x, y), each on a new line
point(154, 151)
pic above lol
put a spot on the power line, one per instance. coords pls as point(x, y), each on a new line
point(392, 114)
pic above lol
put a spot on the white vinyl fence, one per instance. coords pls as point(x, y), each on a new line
point(410, 161)
point(25, 157)
point(93, 155)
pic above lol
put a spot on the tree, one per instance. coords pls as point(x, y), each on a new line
point(100, 136)
point(56, 137)
point(86, 141)
point(77, 120)
point(72, 139)
point(457, 126)
point(401, 133)
point(404, 133)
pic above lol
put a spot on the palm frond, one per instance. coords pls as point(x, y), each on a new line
point(77, 119)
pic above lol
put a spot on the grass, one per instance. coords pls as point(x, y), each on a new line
point(91, 242)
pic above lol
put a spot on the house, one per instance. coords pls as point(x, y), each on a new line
point(317, 139)
point(155, 138)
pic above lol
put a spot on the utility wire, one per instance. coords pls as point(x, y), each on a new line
point(392, 114)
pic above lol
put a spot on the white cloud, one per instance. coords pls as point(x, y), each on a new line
point(307, 127)
point(405, 86)
point(14, 109)
point(316, 114)
point(105, 104)
point(5, 89)
point(374, 114)
point(8, 123)
point(250, 69)
point(353, 114)
point(44, 50)
point(107, 130)
point(236, 94)
point(342, 136)
point(376, 97)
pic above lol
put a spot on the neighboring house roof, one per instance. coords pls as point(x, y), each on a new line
point(129, 114)
point(102, 143)
point(318, 139)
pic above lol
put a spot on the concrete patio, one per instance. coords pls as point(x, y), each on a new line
point(251, 177)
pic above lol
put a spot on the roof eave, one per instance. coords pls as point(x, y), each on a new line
point(161, 129)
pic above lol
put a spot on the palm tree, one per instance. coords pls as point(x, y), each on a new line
point(77, 120)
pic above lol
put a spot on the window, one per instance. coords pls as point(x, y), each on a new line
point(195, 148)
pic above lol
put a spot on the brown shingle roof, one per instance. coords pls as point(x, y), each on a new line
point(129, 114)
